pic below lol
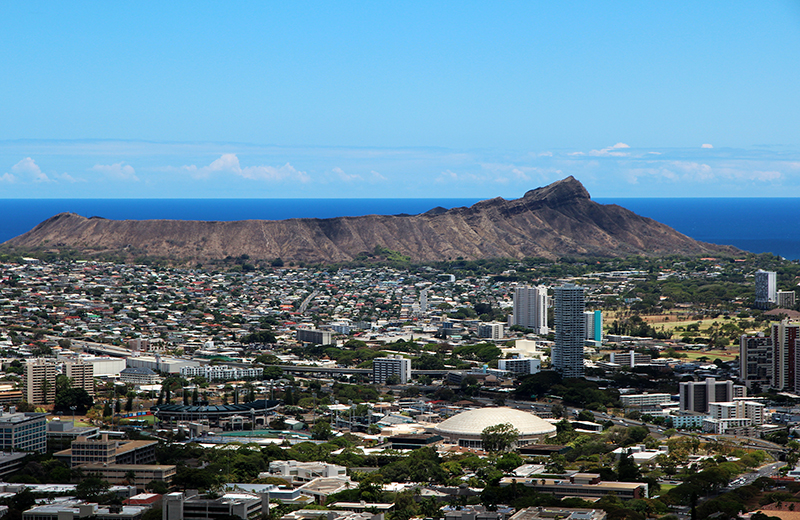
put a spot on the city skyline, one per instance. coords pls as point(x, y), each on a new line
point(361, 100)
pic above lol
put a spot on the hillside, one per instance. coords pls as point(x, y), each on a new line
point(552, 221)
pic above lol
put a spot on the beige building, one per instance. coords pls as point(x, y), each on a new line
point(142, 474)
point(81, 374)
point(108, 451)
point(39, 381)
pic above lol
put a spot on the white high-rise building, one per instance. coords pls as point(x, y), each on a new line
point(530, 308)
point(570, 330)
point(394, 365)
point(423, 300)
point(766, 288)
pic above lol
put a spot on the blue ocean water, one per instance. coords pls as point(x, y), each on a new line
point(753, 224)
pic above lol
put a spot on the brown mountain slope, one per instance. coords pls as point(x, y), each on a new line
point(553, 221)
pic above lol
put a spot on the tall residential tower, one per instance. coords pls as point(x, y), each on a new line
point(530, 308)
point(570, 330)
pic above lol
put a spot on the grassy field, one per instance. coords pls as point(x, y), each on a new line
point(724, 355)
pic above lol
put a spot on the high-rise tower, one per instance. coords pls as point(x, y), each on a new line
point(530, 308)
point(766, 288)
point(570, 330)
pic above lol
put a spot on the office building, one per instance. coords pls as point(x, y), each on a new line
point(570, 330)
point(222, 372)
point(766, 288)
point(190, 506)
point(785, 355)
point(394, 365)
point(81, 375)
point(530, 308)
point(23, 431)
point(39, 381)
point(696, 396)
point(583, 485)
point(142, 474)
point(108, 451)
point(520, 366)
point(740, 409)
point(294, 471)
point(642, 400)
point(317, 337)
point(630, 358)
point(755, 361)
point(594, 325)
point(490, 330)
point(785, 299)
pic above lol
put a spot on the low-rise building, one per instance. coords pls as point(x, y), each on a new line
point(142, 474)
point(581, 485)
point(295, 471)
point(642, 400)
point(185, 506)
point(520, 365)
point(84, 450)
point(318, 337)
point(559, 513)
point(139, 376)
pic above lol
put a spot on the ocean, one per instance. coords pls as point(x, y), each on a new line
point(755, 224)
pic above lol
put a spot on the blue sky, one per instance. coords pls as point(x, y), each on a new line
point(379, 99)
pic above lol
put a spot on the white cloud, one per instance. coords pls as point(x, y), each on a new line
point(611, 151)
point(707, 146)
point(346, 177)
point(229, 163)
point(7, 177)
point(377, 176)
point(119, 171)
point(545, 154)
point(69, 178)
point(28, 167)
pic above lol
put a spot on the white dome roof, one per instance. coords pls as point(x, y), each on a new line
point(473, 422)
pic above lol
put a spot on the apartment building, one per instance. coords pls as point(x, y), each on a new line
point(393, 365)
point(81, 374)
point(39, 381)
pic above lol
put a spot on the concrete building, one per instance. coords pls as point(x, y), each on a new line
point(465, 428)
point(84, 450)
point(594, 325)
point(520, 365)
point(630, 358)
point(785, 356)
point(559, 513)
point(23, 431)
point(139, 376)
point(39, 381)
point(785, 299)
point(567, 354)
point(294, 471)
point(222, 372)
point(60, 434)
point(394, 365)
point(159, 364)
point(81, 374)
point(766, 288)
point(738, 410)
point(696, 396)
point(755, 360)
point(142, 474)
point(105, 366)
point(190, 506)
point(75, 509)
point(584, 485)
point(530, 308)
point(490, 330)
point(317, 337)
point(688, 420)
point(642, 400)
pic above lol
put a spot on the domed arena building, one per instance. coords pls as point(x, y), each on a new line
point(465, 428)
